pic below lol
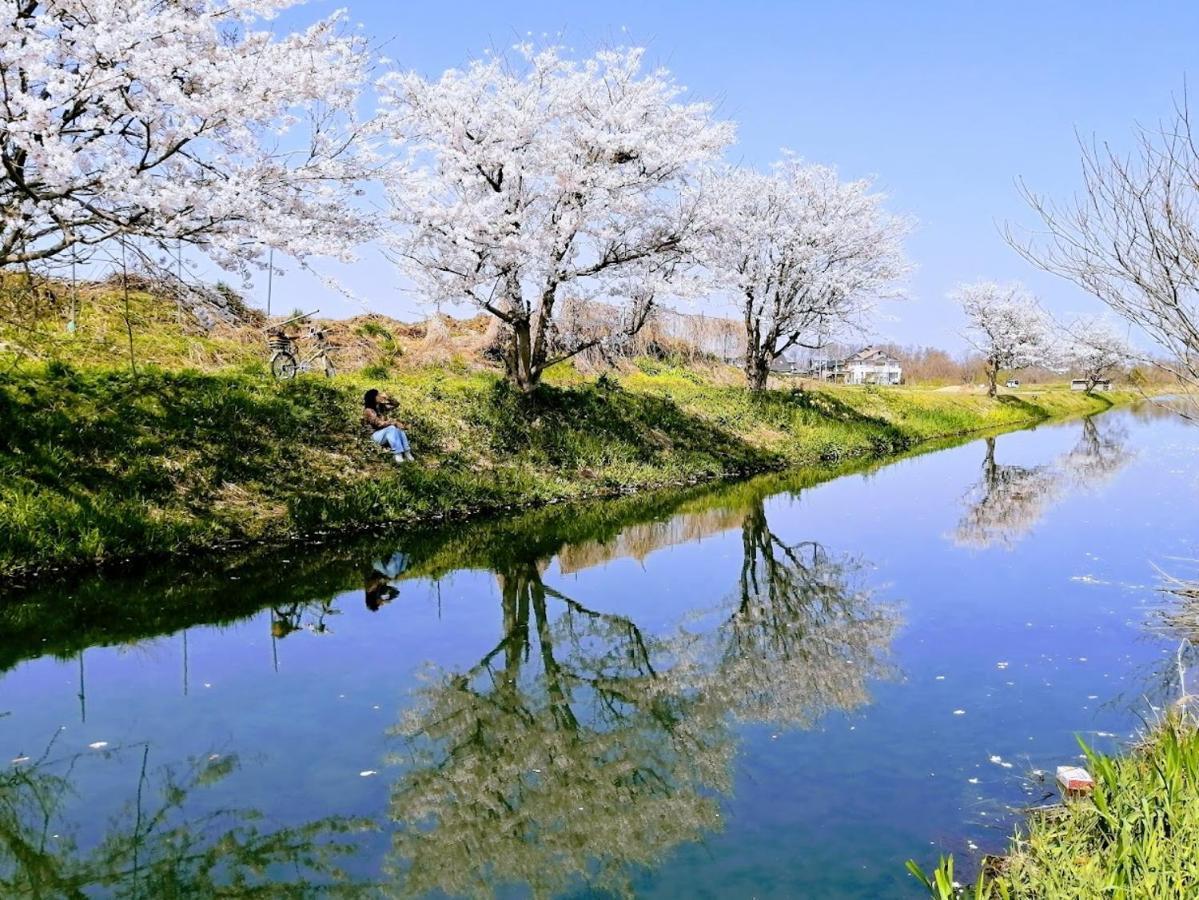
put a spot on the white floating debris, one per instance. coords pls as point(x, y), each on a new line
point(1002, 664)
point(972, 780)
point(940, 678)
point(996, 759)
point(959, 712)
point(367, 773)
point(98, 745)
point(20, 759)
point(1075, 779)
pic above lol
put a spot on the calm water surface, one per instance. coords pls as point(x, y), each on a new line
point(771, 689)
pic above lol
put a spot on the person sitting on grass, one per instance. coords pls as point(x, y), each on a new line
point(384, 431)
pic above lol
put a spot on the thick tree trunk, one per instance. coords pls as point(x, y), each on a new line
point(520, 364)
point(992, 381)
point(757, 370)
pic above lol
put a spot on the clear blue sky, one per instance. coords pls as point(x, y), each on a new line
point(946, 103)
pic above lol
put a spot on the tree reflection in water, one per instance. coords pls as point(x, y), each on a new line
point(581, 748)
point(804, 636)
point(1101, 452)
point(1006, 503)
point(158, 846)
point(572, 749)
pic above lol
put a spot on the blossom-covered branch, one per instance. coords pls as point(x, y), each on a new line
point(180, 121)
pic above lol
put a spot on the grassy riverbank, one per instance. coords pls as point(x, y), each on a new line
point(99, 464)
point(1136, 836)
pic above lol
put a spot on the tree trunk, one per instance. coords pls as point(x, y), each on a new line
point(519, 363)
point(757, 369)
point(992, 381)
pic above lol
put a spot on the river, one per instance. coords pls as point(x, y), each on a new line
point(778, 688)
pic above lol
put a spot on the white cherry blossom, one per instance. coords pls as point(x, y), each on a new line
point(1006, 324)
point(803, 254)
point(535, 181)
point(180, 121)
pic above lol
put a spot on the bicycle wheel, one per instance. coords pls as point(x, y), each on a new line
point(283, 365)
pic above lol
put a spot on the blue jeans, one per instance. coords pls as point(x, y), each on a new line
point(392, 437)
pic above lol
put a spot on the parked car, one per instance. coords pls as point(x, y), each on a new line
point(1012, 382)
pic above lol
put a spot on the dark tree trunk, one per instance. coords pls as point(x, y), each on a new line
point(757, 370)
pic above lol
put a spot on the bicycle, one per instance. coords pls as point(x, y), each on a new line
point(286, 359)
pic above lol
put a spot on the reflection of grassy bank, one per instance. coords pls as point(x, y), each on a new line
point(152, 600)
point(1136, 836)
point(98, 465)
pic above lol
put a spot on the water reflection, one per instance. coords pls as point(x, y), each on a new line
point(581, 727)
point(1007, 501)
point(1101, 452)
point(159, 844)
point(302, 615)
point(804, 635)
point(580, 747)
point(571, 747)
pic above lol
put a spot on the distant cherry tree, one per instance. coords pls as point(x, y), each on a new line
point(535, 180)
point(175, 121)
point(1095, 349)
point(1006, 324)
point(803, 254)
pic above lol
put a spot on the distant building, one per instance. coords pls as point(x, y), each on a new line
point(1080, 384)
point(869, 365)
point(786, 365)
point(1012, 383)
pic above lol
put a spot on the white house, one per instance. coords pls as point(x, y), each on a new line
point(869, 365)
point(873, 366)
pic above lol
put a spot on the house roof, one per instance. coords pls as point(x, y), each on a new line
point(873, 355)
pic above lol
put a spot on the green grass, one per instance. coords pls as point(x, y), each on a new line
point(1136, 836)
point(99, 464)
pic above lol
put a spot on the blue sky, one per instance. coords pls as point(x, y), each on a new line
point(946, 104)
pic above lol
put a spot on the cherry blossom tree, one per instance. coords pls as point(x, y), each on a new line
point(804, 254)
point(537, 179)
point(176, 122)
point(1005, 323)
point(1095, 349)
